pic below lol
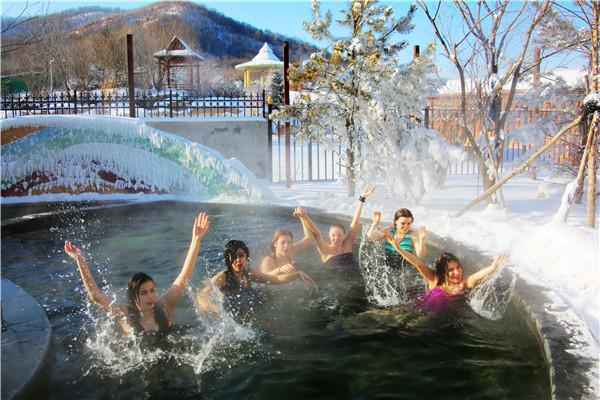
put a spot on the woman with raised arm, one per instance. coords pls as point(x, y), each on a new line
point(402, 234)
point(145, 313)
point(446, 280)
point(283, 250)
point(234, 281)
point(338, 252)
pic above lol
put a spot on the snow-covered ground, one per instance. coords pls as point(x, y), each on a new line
point(563, 257)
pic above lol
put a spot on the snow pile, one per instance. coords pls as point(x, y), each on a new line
point(107, 154)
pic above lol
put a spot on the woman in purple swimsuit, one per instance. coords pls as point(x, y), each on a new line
point(447, 280)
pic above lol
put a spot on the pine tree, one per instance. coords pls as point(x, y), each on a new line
point(340, 84)
point(275, 87)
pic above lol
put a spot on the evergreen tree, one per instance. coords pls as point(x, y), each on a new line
point(341, 84)
point(275, 87)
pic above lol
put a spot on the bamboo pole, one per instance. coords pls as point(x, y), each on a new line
point(519, 169)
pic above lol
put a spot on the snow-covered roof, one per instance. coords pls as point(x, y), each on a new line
point(264, 59)
point(177, 48)
point(574, 78)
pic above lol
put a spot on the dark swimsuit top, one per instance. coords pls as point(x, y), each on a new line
point(344, 260)
point(164, 325)
point(239, 296)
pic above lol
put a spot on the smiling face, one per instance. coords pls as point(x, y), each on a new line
point(336, 235)
point(403, 224)
point(146, 296)
point(454, 273)
point(239, 260)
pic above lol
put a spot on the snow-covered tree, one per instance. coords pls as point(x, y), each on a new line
point(345, 88)
point(490, 41)
point(275, 87)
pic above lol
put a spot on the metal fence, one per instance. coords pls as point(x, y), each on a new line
point(309, 160)
point(168, 104)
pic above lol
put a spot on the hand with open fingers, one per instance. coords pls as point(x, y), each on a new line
point(306, 278)
point(72, 250)
point(367, 191)
point(201, 225)
point(287, 269)
point(422, 232)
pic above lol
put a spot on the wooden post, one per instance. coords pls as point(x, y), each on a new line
point(131, 84)
point(536, 65)
point(270, 142)
point(591, 198)
point(286, 101)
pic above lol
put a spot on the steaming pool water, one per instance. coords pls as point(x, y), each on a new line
point(297, 342)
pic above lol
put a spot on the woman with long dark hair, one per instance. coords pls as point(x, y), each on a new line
point(145, 311)
point(234, 281)
point(446, 279)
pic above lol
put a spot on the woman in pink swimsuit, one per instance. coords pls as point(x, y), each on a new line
point(446, 281)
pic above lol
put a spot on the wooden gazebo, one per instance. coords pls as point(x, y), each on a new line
point(181, 63)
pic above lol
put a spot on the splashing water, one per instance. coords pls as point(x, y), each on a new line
point(213, 344)
point(490, 298)
point(385, 285)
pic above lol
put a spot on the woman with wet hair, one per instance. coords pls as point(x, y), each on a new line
point(400, 230)
point(234, 281)
point(145, 312)
point(283, 250)
point(446, 280)
point(338, 252)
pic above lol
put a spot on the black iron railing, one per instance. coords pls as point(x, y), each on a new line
point(170, 104)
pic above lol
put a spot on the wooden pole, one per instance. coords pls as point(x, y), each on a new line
point(286, 101)
point(131, 84)
point(518, 170)
point(591, 199)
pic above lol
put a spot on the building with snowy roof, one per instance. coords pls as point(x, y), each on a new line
point(264, 63)
point(180, 63)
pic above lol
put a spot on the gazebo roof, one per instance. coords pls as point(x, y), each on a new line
point(265, 59)
point(177, 48)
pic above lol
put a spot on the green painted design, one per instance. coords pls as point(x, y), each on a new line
point(40, 147)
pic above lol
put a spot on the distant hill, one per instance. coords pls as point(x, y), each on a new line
point(215, 34)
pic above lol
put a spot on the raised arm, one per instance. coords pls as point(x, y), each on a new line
point(170, 298)
point(480, 275)
point(303, 244)
point(423, 269)
point(312, 228)
point(372, 233)
point(94, 292)
point(355, 224)
point(421, 245)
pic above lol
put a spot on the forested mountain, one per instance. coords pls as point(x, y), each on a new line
point(86, 45)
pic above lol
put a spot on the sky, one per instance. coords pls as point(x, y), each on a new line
point(283, 16)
